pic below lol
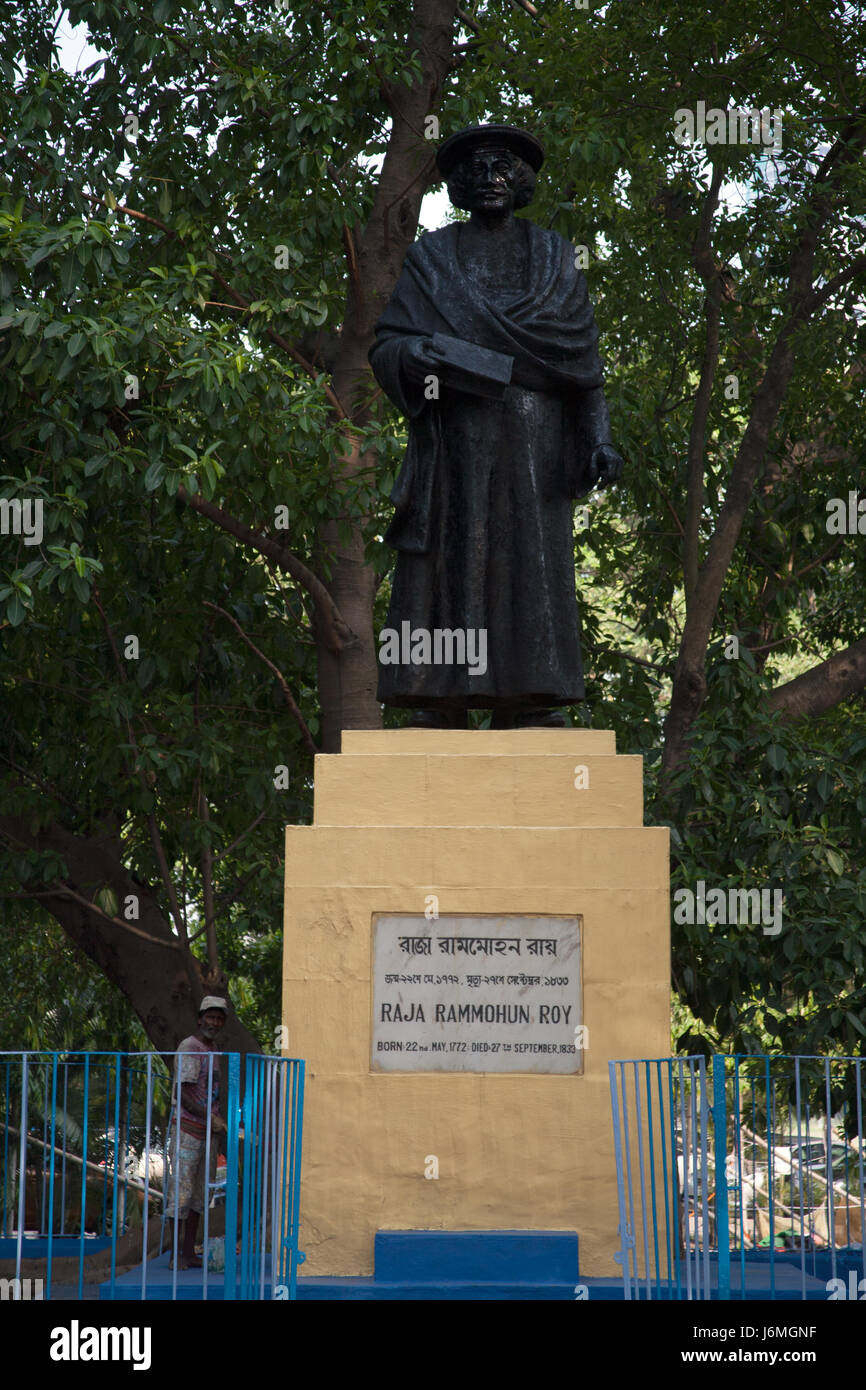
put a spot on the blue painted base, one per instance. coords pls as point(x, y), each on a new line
point(543, 1265)
point(500, 1266)
point(489, 1257)
point(36, 1247)
point(461, 1265)
point(379, 1290)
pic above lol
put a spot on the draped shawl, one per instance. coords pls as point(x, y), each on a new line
point(548, 329)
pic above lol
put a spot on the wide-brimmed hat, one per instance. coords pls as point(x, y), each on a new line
point(511, 137)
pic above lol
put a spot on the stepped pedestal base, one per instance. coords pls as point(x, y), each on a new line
point(509, 826)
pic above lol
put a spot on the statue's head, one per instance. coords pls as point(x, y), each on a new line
point(490, 168)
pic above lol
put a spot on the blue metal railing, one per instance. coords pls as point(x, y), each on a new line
point(89, 1144)
point(749, 1176)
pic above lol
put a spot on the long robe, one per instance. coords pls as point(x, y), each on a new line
point(483, 521)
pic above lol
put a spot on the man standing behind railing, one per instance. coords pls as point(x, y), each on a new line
point(187, 1153)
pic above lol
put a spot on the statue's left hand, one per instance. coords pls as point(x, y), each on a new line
point(606, 466)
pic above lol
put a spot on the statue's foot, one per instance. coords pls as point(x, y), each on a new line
point(541, 717)
point(437, 719)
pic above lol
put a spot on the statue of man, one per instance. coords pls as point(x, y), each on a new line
point(489, 347)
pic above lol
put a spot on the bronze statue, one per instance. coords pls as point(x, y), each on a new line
point(489, 347)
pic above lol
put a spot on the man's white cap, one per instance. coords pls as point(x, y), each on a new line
point(210, 1001)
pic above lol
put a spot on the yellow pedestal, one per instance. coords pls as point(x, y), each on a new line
point(530, 821)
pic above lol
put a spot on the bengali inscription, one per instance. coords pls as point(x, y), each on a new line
point(476, 993)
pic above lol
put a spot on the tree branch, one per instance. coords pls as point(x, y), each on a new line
point(290, 700)
point(238, 838)
point(207, 886)
point(531, 10)
point(823, 686)
point(689, 686)
point(708, 270)
point(286, 346)
point(239, 301)
point(153, 826)
point(827, 291)
point(334, 632)
point(63, 890)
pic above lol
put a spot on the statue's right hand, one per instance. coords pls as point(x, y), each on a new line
point(606, 466)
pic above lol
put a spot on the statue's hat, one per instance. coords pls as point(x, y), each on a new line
point(520, 142)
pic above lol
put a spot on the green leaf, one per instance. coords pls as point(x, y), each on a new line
point(80, 588)
point(70, 273)
point(40, 254)
point(154, 474)
point(107, 900)
point(777, 757)
point(825, 785)
point(15, 611)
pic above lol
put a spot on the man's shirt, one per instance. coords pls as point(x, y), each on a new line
point(193, 1067)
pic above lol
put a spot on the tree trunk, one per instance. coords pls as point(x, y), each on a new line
point(161, 979)
point(347, 679)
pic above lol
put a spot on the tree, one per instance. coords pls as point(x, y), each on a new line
point(199, 235)
point(189, 451)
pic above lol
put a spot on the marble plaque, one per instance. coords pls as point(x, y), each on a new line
point(477, 993)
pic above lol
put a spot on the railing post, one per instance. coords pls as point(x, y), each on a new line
point(22, 1165)
point(295, 1069)
point(720, 1137)
point(145, 1211)
point(53, 1150)
point(232, 1144)
point(85, 1135)
point(623, 1255)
